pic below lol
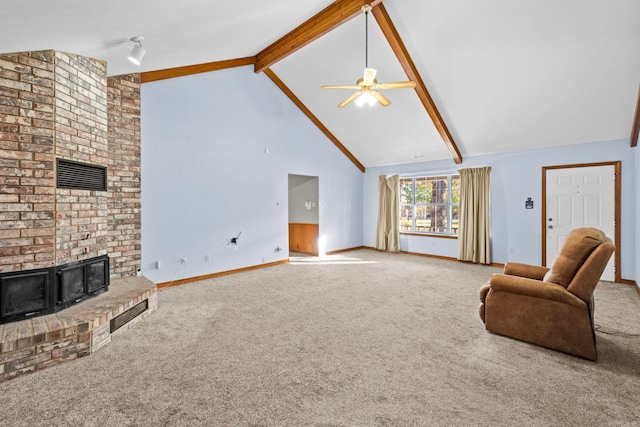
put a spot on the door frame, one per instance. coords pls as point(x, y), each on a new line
point(617, 188)
point(310, 232)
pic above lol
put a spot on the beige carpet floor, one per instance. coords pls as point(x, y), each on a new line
point(358, 339)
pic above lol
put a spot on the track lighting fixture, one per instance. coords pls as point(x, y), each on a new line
point(138, 51)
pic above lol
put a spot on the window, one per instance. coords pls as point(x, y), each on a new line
point(430, 204)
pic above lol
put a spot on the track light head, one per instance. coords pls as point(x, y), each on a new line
point(138, 51)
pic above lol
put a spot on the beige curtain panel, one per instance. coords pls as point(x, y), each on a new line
point(388, 231)
point(473, 236)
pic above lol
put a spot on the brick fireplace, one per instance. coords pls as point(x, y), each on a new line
point(54, 107)
point(57, 105)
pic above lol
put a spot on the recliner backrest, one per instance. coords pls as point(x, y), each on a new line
point(578, 246)
point(587, 277)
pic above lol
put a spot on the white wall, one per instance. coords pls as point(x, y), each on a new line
point(514, 177)
point(206, 175)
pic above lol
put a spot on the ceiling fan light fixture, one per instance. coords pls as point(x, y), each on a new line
point(368, 87)
point(138, 51)
point(365, 98)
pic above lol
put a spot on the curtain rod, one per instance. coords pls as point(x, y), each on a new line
point(430, 173)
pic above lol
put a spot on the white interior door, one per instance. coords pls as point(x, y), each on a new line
point(579, 197)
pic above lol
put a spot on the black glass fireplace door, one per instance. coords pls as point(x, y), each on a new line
point(26, 293)
point(29, 293)
point(79, 280)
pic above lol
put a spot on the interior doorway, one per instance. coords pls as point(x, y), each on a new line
point(584, 195)
point(304, 218)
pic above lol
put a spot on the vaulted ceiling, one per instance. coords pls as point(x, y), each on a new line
point(493, 76)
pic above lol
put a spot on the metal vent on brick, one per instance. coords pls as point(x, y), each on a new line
point(124, 318)
point(81, 176)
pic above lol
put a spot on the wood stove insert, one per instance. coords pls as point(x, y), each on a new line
point(30, 293)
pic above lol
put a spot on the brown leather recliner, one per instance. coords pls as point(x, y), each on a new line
point(550, 307)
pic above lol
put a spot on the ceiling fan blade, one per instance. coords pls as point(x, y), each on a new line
point(395, 85)
point(369, 76)
point(383, 100)
point(349, 99)
point(340, 87)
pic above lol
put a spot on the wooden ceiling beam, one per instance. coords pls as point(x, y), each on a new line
point(274, 78)
point(635, 129)
point(398, 47)
point(169, 73)
point(324, 21)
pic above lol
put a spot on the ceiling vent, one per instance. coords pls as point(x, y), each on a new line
point(81, 176)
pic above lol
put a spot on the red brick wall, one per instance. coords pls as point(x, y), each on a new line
point(124, 174)
point(27, 179)
point(55, 104)
point(81, 134)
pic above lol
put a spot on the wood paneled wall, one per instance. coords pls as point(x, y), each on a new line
point(303, 238)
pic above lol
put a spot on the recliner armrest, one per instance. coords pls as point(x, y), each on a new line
point(525, 270)
point(534, 288)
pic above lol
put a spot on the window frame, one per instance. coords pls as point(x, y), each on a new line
point(449, 205)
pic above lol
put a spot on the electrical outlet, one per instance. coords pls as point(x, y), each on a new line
point(207, 258)
point(512, 251)
point(183, 261)
point(157, 265)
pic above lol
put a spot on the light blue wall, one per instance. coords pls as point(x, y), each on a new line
point(514, 177)
point(206, 175)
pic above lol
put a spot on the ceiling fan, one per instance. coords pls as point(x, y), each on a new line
point(367, 87)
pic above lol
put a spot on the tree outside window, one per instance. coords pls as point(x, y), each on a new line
point(430, 204)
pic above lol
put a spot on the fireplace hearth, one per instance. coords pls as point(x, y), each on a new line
point(31, 293)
